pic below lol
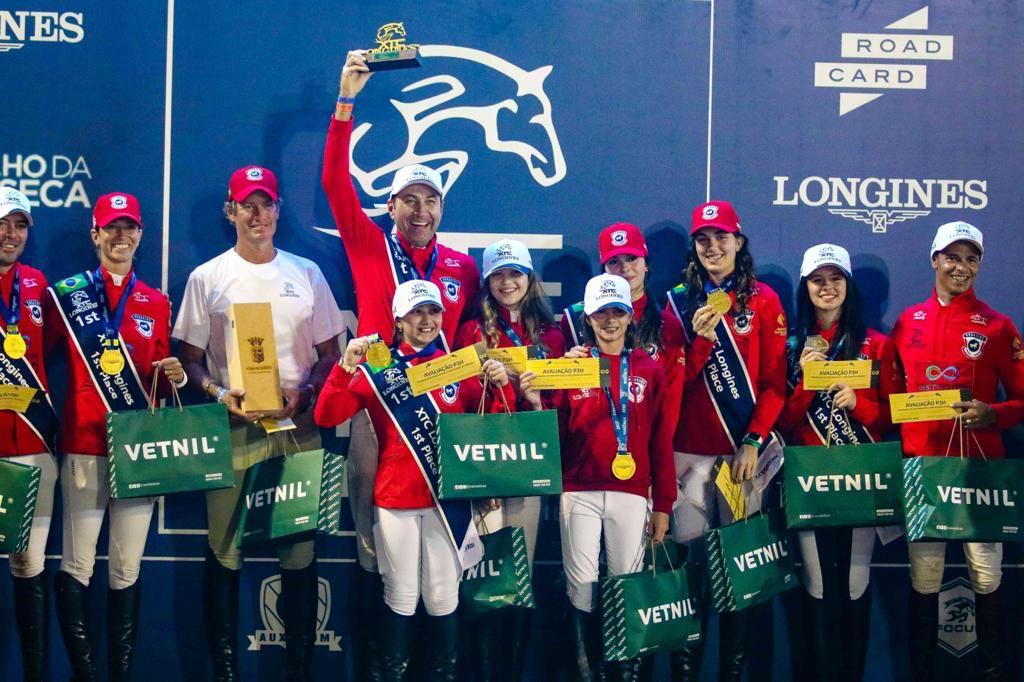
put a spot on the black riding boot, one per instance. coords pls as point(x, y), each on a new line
point(299, 593)
point(483, 655)
point(856, 627)
point(587, 655)
point(623, 671)
point(818, 635)
point(71, 595)
point(991, 630)
point(394, 645)
point(369, 603)
point(519, 645)
point(732, 645)
point(32, 612)
point(922, 634)
point(221, 594)
point(442, 662)
point(122, 626)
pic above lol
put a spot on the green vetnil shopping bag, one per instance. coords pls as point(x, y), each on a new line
point(19, 491)
point(502, 578)
point(499, 455)
point(287, 495)
point(949, 498)
point(650, 611)
point(749, 561)
point(171, 450)
point(844, 485)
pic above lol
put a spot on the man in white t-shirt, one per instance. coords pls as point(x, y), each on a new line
point(307, 324)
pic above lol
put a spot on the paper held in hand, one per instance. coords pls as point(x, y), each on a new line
point(857, 374)
point(570, 373)
point(447, 369)
point(16, 398)
point(513, 357)
point(925, 406)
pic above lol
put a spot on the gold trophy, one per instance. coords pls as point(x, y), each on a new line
point(392, 52)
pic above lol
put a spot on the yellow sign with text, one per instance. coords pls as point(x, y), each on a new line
point(569, 373)
point(16, 398)
point(924, 406)
point(513, 357)
point(731, 491)
point(447, 369)
point(820, 374)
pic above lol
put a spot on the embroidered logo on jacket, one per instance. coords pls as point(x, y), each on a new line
point(144, 325)
point(974, 342)
point(451, 288)
point(35, 311)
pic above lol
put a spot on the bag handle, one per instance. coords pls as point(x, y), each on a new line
point(654, 556)
point(486, 383)
point(958, 429)
point(832, 425)
point(152, 393)
point(282, 444)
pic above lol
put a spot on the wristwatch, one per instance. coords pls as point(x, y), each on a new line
point(754, 439)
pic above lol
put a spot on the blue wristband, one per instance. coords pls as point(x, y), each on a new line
point(346, 100)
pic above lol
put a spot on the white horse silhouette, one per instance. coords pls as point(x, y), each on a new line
point(450, 163)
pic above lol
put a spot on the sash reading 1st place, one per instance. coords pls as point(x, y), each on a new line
point(570, 373)
point(857, 374)
point(924, 406)
point(447, 369)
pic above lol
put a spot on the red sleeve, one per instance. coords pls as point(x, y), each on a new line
point(161, 350)
point(468, 334)
point(674, 365)
point(697, 356)
point(357, 231)
point(663, 468)
point(555, 342)
point(471, 281)
point(796, 406)
point(868, 410)
point(892, 378)
point(1009, 359)
point(771, 379)
point(340, 398)
point(53, 323)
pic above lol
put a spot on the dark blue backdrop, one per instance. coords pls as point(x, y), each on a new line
point(597, 112)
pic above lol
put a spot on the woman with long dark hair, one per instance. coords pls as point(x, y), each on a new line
point(513, 310)
point(735, 341)
point(836, 561)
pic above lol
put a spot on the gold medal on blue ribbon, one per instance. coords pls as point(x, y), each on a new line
point(378, 355)
point(14, 343)
point(111, 359)
point(623, 466)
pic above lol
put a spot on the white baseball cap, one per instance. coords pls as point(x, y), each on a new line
point(826, 254)
point(507, 253)
point(412, 294)
point(606, 291)
point(957, 231)
point(12, 200)
point(416, 174)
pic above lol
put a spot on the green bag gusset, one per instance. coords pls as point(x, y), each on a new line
point(845, 486)
point(499, 455)
point(502, 578)
point(169, 450)
point(651, 610)
point(19, 491)
point(949, 498)
point(749, 561)
point(287, 495)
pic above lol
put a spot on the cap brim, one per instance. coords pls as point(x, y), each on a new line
point(121, 214)
point(396, 192)
point(623, 250)
point(508, 266)
point(823, 265)
point(979, 247)
point(733, 229)
point(244, 194)
point(422, 303)
point(23, 212)
point(615, 304)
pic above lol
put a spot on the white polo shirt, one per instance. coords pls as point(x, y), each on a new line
point(304, 310)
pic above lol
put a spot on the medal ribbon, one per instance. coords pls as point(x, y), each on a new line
point(111, 327)
point(430, 349)
point(405, 267)
point(13, 314)
point(620, 417)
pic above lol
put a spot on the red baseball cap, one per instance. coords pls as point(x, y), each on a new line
point(718, 214)
point(110, 207)
point(249, 179)
point(621, 238)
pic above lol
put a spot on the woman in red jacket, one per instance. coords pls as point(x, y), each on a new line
point(616, 447)
point(513, 311)
point(423, 544)
point(830, 327)
point(735, 335)
point(116, 330)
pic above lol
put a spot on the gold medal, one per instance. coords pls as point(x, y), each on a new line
point(111, 362)
point(817, 343)
point(14, 344)
point(378, 355)
point(719, 301)
point(623, 466)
